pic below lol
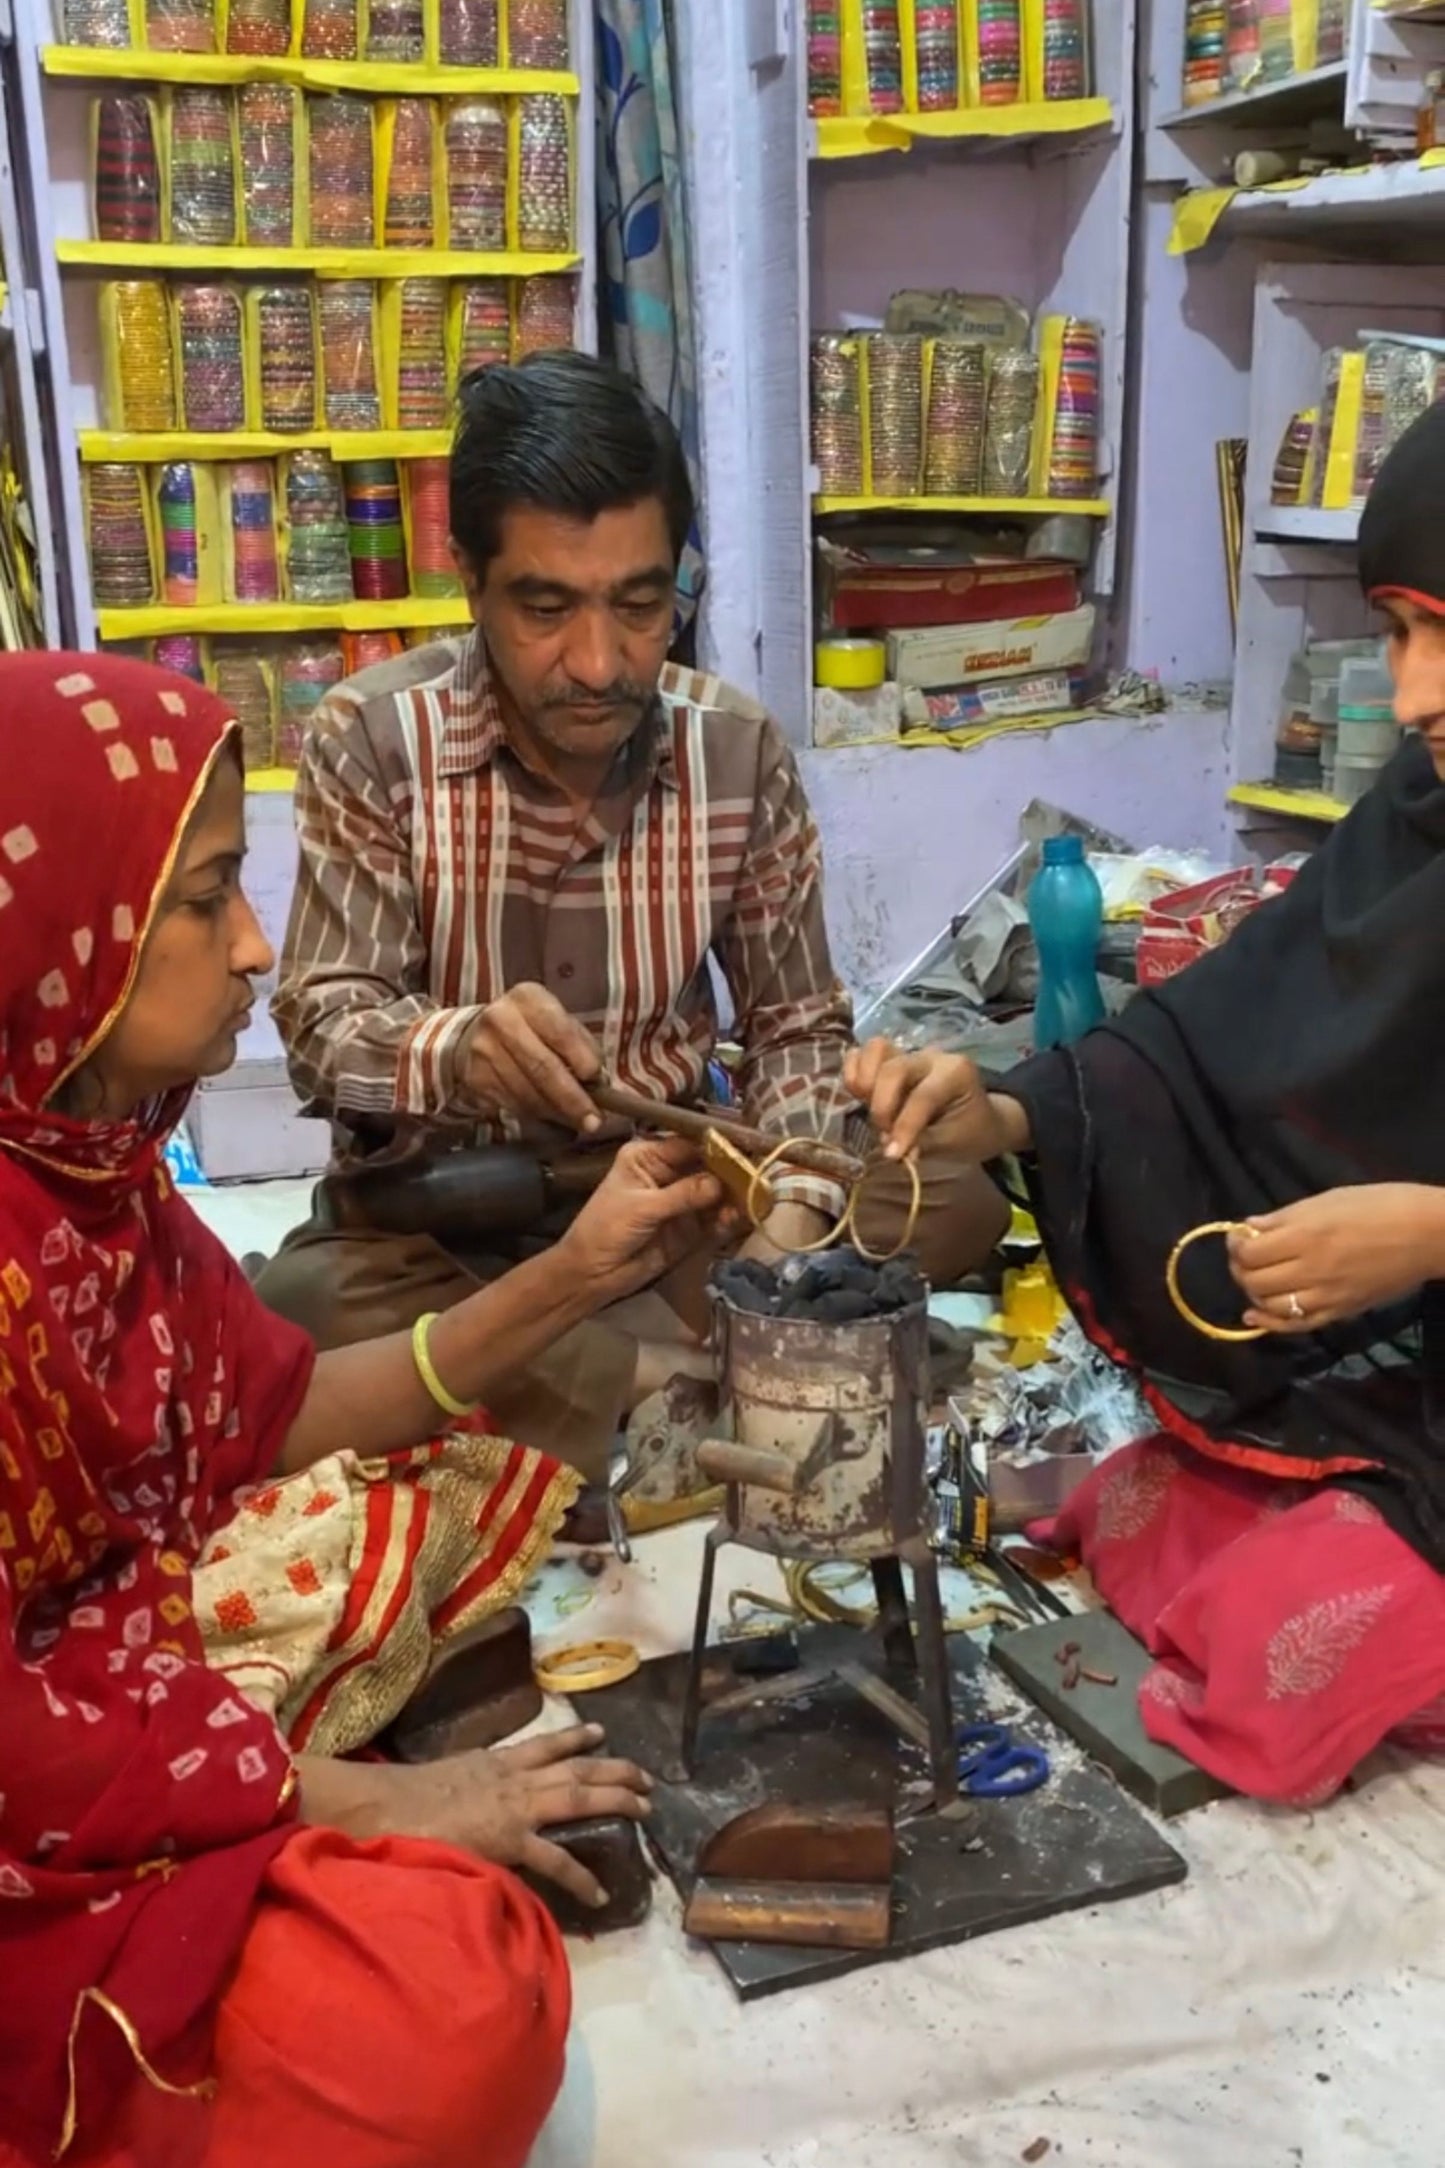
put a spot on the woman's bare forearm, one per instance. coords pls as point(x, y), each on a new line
point(371, 1397)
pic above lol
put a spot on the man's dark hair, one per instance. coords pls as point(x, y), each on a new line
point(566, 433)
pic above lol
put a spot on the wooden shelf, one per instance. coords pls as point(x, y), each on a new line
point(1295, 805)
point(975, 507)
point(342, 444)
point(380, 79)
point(866, 134)
point(1295, 97)
point(264, 618)
point(342, 263)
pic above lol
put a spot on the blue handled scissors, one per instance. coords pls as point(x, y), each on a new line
point(992, 1764)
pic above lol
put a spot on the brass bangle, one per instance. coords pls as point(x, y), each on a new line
point(585, 1666)
point(871, 1165)
point(761, 1172)
point(1229, 1334)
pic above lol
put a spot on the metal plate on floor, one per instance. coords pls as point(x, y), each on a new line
point(1077, 1841)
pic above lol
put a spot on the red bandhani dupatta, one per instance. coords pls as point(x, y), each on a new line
point(141, 1798)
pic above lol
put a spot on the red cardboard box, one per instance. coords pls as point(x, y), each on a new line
point(885, 588)
point(1181, 928)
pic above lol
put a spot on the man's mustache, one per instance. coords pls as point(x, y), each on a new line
point(622, 693)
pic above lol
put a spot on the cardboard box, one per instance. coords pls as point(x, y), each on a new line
point(1179, 929)
point(246, 1126)
point(1015, 647)
point(999, 700)
point(885, 587)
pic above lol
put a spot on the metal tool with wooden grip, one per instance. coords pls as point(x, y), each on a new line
point(732, 1150)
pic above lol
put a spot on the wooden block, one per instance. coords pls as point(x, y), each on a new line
point(477, 1695)
point(786, 1843)
point(1105, 1719)
point(608, 1846)
point(817, 1915)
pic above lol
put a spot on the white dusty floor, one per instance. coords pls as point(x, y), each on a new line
point(1282, 2008)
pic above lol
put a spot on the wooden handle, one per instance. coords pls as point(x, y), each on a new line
point(805, 1153)
point(721, 1461)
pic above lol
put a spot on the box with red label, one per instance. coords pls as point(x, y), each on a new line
point(950, 655)
point(1181, 928)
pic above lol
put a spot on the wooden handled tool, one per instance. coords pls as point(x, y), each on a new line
point(807, 1155)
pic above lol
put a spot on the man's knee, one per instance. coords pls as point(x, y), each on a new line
point(344, 1288)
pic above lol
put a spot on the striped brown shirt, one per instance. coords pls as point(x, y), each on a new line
point(437, 871)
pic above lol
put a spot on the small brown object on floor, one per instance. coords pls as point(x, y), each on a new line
point(1106, 1720)
point(478, 1694)
point(1036, 2151)
point(781, 1842)
point(818, 1915)
point(1098, 1678)
point(608, 1846)
point(593, 1564)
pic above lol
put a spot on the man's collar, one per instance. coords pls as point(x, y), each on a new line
point(476, 733)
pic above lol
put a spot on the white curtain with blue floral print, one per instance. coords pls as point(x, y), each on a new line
point(645, 301)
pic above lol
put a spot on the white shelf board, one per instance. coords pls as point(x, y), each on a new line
point(1385, 197)
point(1297, 97)
point(1306, 523)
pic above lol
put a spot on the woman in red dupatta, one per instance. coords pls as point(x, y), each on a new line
point(211, 1951)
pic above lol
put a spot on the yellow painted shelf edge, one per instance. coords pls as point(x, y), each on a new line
point(1031, 507)
point(347, 263)
point(382, 79)
point(343, 444)
point(862, 135)
point(1299, 805)
point(271, 780)
point(264, 618)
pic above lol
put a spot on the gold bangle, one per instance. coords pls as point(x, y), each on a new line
point(761, 1172)
point(426, 1369)
point(1230, 1334)
point(585, 1666)
point(915, 1207)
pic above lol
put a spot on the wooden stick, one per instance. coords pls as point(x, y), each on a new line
point(812, 1157)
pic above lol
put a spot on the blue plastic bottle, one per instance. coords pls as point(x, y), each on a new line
point(1066, 911)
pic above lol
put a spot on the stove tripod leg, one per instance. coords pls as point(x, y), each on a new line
point(893, 1627)
point(933, 1660)
point(692, 1700)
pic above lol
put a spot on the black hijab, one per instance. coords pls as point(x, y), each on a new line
point(1307, 1053)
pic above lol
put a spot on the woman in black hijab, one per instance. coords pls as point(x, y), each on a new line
point(1280, 1545)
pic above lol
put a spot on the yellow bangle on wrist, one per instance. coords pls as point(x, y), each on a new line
point(426, 1369)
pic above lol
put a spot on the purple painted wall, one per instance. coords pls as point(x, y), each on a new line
point(910, 835)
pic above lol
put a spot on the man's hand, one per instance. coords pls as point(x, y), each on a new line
point(655, 1208)
point(942, 1095)
point(528, 1057)
point(494, 1804)
point(1339, 1254)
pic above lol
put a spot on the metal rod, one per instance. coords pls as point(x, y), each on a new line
point(809, 1153)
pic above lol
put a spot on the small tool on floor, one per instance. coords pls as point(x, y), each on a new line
point(992, 1764)
point(820, 1876)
